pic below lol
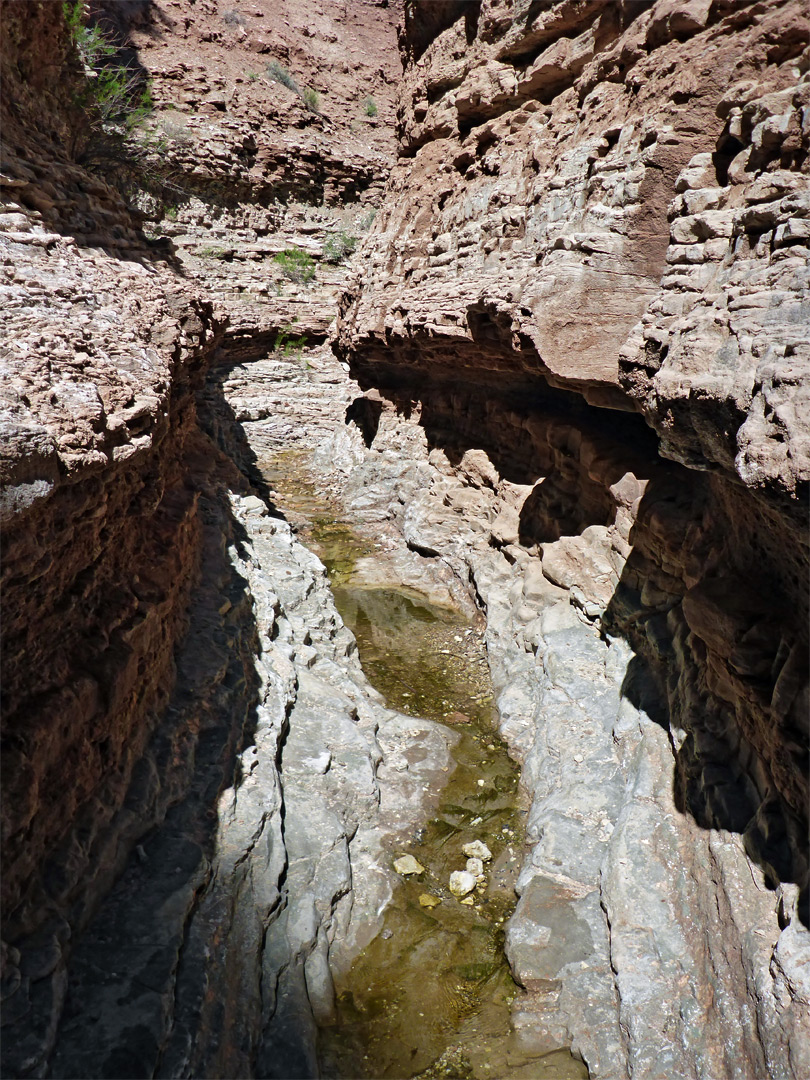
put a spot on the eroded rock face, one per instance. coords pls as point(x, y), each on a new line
point(150, 671)
point(600, 207)
point(630, 908)
point(98, 423)
point(581, 322)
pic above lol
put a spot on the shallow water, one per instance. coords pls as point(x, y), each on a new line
point(430, 996)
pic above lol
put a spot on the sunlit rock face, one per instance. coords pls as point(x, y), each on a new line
point(592, 265)
point(581, 327)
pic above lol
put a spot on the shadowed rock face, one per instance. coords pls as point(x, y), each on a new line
point(98, 433)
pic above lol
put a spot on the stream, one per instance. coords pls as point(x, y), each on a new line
point(431, 995)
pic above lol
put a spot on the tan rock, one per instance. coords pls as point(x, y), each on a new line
point(407, 865)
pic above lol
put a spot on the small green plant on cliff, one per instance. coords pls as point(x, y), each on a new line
point(234, 18)
point(370, 106)
point(296, 265)
point(338, 246)
point(90, 41)
point(288, 346)
point(113, 93)
point(278, 73)
point(311, 98)
point(113, 102)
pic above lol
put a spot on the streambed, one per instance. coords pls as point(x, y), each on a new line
point(431, 995)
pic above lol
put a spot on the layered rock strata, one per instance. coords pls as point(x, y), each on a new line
point(241, 165)
point(595, 211)
point(603, 207)
point(181, 703)
point(103, 350)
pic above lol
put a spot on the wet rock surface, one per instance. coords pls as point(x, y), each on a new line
point(395, 1013)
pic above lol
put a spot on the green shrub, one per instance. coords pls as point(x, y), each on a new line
point(253, 76)
point(113, 94)
point(296, 265)
point(370, 106)
point(338, 246)
point(287, 345)
point(118, 99)
point(312, 99)
point(278, 73)
point(89, 40)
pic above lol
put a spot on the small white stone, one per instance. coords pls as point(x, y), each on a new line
point(319, 764)
point(461, 883)
point(477, 849)
point(475, 867)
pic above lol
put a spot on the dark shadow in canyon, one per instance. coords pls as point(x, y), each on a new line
point(717, 681)
point(533, 438)
point(365, 413)
point(131, 955)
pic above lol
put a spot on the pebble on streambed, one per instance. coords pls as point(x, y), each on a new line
point(407, 864)
point(477, 849)
point(462, 882)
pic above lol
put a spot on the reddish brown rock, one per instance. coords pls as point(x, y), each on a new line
point(589, 288)
point(603, 207)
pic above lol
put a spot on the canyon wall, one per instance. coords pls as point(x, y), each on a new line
point(580, 322)
point(150, 672)
point(102, 532)
point(593, 266)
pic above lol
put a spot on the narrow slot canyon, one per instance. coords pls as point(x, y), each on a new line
point(404, 454)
